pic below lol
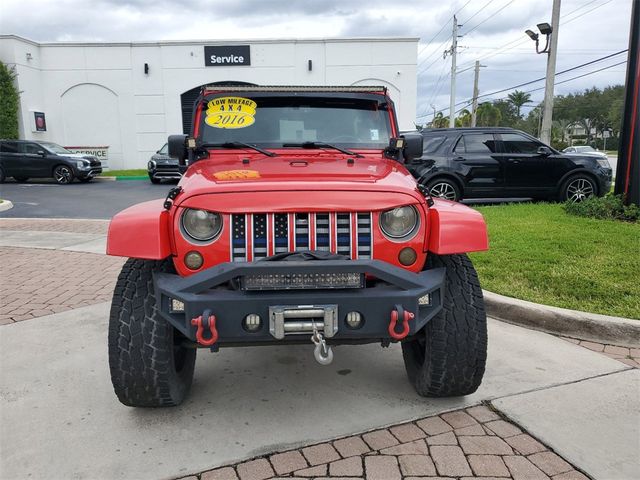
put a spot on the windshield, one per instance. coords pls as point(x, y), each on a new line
point(585, 149)
point(164, 150)
point(277, 120)
point(54, 148)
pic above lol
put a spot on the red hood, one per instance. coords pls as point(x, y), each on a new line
point(298, 170)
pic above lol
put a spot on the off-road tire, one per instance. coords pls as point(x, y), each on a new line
point(447, 358)
point(150, 366)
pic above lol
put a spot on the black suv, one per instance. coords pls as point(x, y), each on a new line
point(162, 167)
point(494, 162)
point(25, 159)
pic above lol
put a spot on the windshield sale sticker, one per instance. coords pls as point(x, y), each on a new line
point(230, 112)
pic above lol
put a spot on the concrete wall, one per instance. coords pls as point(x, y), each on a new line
point(98, 94)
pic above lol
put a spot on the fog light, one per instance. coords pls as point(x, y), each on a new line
point(252, 322)
point(425, 299)
point(407, 256)
point(176, 306)
point(354, 319)
point(193, 260)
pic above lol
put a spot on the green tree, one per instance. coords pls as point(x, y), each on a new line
point(9, 101)
point(508, 114)
point(518, 98)
point(439, 121)
point(488, 115)
point(464, 119)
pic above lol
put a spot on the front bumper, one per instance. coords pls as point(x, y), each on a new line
point(89, 172)
point(208, 290)
point(165, 172)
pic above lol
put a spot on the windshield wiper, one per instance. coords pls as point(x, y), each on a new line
point(322, 145)
point(240, 145)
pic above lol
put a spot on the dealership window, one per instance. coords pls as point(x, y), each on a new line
point(476, 143)
point(515, 143)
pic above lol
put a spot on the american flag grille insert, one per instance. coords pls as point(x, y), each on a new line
point(260, 235)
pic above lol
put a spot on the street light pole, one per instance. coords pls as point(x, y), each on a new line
point(547, 114)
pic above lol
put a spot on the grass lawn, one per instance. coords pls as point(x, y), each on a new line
point(125, 173)
point(541, 254)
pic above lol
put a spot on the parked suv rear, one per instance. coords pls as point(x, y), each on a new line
point(499, 162)
point(25, 159)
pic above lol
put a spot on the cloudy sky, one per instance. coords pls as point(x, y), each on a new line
point(492, 32)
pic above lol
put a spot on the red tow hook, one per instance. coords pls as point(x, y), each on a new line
point(206, 321)
point(400, 313)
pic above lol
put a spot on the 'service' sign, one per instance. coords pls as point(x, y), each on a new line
point(227, 55)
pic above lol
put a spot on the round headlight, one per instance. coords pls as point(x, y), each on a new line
point(399, 222)
point(201, 225)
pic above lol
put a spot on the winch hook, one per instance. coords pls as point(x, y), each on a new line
point(322, 352)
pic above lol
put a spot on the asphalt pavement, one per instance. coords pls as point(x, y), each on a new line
point(98, 199)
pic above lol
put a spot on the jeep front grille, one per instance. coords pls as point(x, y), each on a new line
point(260, 235)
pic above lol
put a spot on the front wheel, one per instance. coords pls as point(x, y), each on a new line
point(149, 363)
point(63, 174)
point(578, 188)
point(447, 357)
point(444, 188)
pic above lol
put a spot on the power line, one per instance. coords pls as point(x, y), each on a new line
point(544, 78)
point(440, 31)
point(519, 41)
point(468, 102)
point(558, 83)
point(491, 16)
point(478, 11)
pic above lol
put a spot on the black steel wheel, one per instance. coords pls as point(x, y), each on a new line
point(63, 174)
point(444, 188)
point(578, 188)
point(149, 363)
point(447, 358)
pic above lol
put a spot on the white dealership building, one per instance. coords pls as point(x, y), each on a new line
point(121, 100)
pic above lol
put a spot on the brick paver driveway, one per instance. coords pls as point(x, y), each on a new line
point(471, 443)
point(37, 282)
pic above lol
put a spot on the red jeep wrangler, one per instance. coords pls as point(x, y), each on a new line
point(295, 222)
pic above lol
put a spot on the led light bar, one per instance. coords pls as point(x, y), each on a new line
point(301, 281)
point(295, 88)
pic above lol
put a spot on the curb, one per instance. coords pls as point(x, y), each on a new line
point(132, 178)
point(105, 178)
point(561, 321)
point(5, 205)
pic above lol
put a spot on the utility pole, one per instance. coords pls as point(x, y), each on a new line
point(547, 114)
point(474, 106)
point(452, 52)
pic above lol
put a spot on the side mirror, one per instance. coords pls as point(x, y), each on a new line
point(413, 146)
point(178, 148)
point(546, 151)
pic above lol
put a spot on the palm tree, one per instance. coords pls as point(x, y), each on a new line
point(440, 121)
point(488, 115)
point(464, 119)
point(519, 98)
